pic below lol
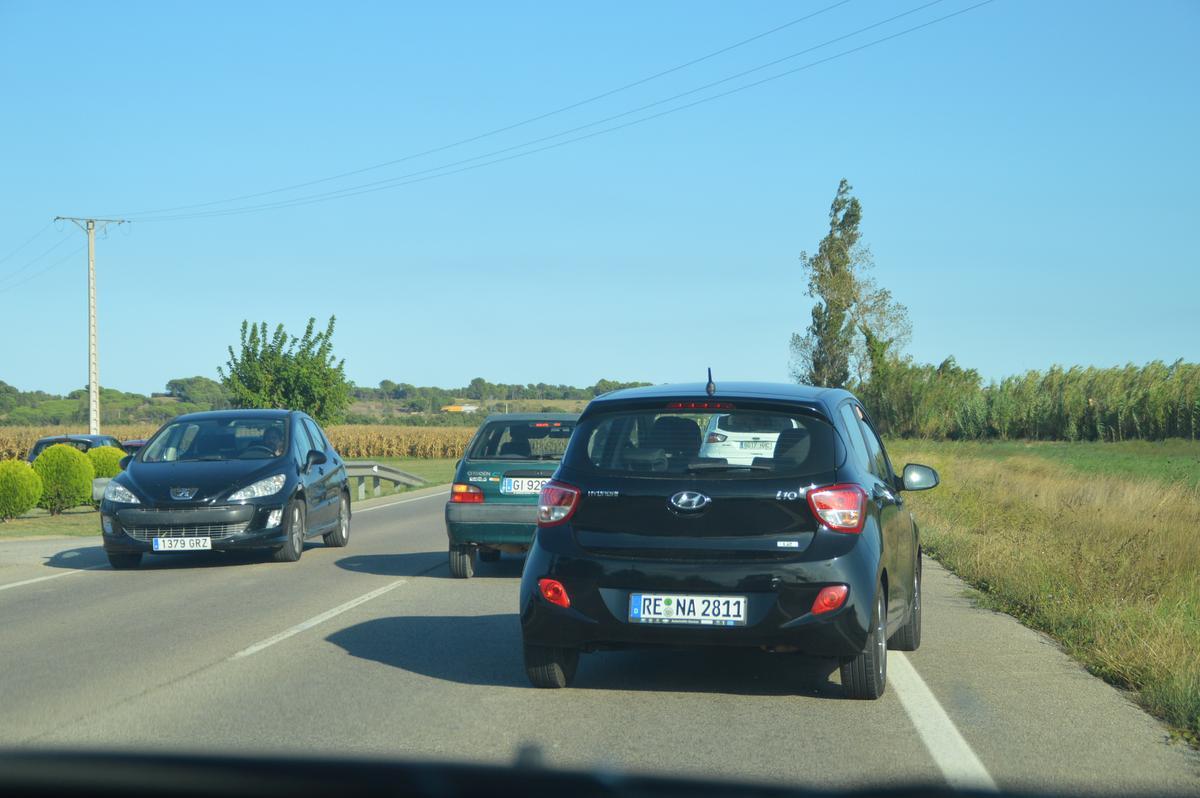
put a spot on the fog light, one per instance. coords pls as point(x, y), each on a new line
point(554, 592)
point(830, 598)
point(106, 524)
point(274, 518)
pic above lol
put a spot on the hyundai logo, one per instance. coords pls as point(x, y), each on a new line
point(183, 494)
point(689, 501)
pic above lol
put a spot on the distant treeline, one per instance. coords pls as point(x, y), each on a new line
point(430, 399)
point(1150, 402)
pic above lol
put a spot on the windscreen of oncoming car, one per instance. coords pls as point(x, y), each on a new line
point(667, 443)
point(522, 440)
point(218, 439)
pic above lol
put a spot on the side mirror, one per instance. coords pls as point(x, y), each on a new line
point(124, 462)
point(315, 458)
point(919, 477)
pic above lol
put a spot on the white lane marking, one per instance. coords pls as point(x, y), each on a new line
point(52, 576)
point(953, 756)
point(393, 504)
point(316, 619)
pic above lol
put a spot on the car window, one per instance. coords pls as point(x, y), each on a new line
point(856, 441)
point(314, 435)
point(301, 442)
point(650, 442)
point(525, 439)
point(241, 438)
point(878, 459)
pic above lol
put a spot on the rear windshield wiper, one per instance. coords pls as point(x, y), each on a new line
point(725, 467)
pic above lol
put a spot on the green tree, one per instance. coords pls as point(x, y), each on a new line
point(288, 372)
point(199, 391)
point(852, 312)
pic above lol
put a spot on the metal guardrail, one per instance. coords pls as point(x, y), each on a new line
point(363, 470)
point(358, 471)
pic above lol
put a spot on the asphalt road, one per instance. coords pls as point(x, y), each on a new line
point(375, 650)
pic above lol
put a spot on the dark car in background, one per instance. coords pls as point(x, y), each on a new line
point(493, 501)
point(81, 442)
point(643, 540)
point(228, 480)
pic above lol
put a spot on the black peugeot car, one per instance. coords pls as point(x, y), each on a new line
point(804, 546)
point(228, 480)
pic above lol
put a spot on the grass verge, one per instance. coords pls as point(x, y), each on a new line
point(1106, 563)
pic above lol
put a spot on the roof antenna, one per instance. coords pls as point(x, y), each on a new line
point(711, 388)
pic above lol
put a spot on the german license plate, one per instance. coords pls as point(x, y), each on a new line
point(758, 445)
point(182, 544)
point(522, 486)
point(687, 609)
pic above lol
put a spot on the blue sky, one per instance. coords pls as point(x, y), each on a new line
point(1028, 173)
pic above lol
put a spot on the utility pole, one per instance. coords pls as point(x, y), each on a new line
point(89, 227)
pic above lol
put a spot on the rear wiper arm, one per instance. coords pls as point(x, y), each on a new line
point(725, 467)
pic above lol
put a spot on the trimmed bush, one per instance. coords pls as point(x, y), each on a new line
point(105, 460)
point(20, 488)
point(67, 475)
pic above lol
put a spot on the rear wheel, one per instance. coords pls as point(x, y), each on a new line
point(908, 636)
point(340, 535)
point(865, 676)
point(294, 547)
point(550, 666)
point(123, 561)
point(489, 555)
point(462, 561)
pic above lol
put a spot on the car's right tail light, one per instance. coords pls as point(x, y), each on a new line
point(716, 437)
point(556, 503)
point(461, 493)
point(842, 508)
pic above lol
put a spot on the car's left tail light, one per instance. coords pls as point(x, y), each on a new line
point(557, 503)
point(466, 494)
point(842, 508)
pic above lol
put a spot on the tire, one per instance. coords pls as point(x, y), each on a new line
point(294, 547)
point(340, 535)
point(462, 561)
point(124, 560)
point(864, 677)
point(908, 636)
point(550, 666)
point(489, 555)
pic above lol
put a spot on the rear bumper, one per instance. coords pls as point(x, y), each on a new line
point(511, 524)
point(779, 599)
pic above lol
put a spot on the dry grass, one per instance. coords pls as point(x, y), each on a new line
point(1108, 565)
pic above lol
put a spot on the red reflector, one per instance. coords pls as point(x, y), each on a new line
point(699, 406)
point(541, 424)
point(839, 507)
point(556, 503)
point(830, 598)
point(554, 592)
point(466, 494)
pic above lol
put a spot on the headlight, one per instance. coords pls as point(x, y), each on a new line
point(264, 487)
point(116, 492)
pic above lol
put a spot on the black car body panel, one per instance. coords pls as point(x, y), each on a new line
point(754, 537)
point(191, 497)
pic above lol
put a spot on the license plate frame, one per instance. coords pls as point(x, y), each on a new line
point(508, 485)
point(182, 544)
point(757, 446)
point(652, 608)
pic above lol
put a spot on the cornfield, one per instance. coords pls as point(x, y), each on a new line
point(351, 440)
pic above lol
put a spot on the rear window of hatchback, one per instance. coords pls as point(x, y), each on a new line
point(522, 440)
point(658, 443)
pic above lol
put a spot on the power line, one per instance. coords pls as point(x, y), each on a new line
point(505, 128)
point(29, 263)
point(423, 175)
point(40, 272)
point(28, 241)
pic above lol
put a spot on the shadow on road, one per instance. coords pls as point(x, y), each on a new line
point(486, 650)
point(92, 556)
point(418, 563)
point(78, 558)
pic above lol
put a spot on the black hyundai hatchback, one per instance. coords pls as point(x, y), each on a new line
point(227, 480)
point(801, 544)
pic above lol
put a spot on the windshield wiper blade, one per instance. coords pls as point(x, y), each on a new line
point(725, 467)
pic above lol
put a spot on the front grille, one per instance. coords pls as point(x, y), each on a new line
point(214, 531)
